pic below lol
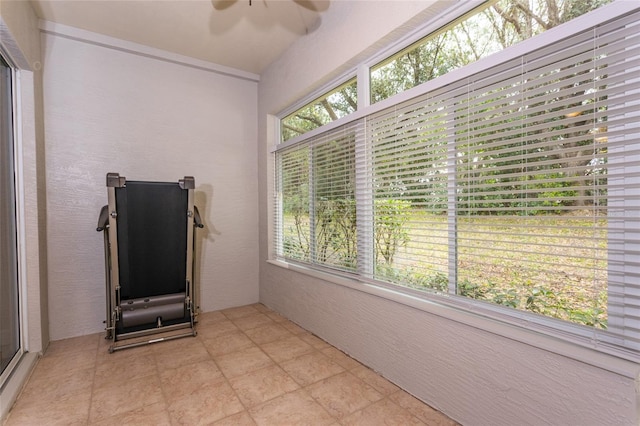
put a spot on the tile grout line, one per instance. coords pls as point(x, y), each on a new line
point(277, 364)
point(301, 388)
point(345, 370)
point(162, 390)
point(349, 365)
point(246, 409)
point(93, 379)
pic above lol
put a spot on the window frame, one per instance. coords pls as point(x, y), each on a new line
point(345, 80)
point(569, 333)
point(17, 224)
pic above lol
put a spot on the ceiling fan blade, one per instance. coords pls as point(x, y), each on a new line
point(314, 5)
point(222, 4)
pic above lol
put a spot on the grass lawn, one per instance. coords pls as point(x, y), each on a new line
point(555, 265)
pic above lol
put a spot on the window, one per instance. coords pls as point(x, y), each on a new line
point(317, 215)
point(10, 346)
point(515, 184)
point(486, 30)
point(329, 107)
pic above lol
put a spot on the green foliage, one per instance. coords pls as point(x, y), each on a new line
point(391, 217)
point(333, 105)
point(336, 231)
point(295, 247)
point(336, 245)
point(336, 237)
point(414, 278)
point(498, 26)
point(490, 30)
point(472, 290)
point(539, 299)
point(508, 169)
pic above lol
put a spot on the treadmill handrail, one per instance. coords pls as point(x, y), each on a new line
point(197, 221)
point(103, 219)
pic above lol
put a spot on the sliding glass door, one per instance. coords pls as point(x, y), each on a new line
point(10, 347)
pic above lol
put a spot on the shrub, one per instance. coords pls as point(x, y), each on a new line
point(391, 217)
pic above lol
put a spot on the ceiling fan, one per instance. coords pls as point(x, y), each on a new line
point(314, 5)
point(298, 16)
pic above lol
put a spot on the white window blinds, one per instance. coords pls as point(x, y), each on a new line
point(517, 186)
point(316, 217)
point(410, 174)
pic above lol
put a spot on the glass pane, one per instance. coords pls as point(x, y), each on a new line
point(316, 187)
point(334, 206)
point(489, 29)
point(410, 177)
point(9, 326)
point(329, 107)
point(294, 188)
point(532, 187)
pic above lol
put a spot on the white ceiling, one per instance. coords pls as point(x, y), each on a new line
point(242, 34)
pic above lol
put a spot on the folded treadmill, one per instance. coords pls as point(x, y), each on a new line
point(149, 249)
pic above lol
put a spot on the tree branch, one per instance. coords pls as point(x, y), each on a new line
point(329, 109)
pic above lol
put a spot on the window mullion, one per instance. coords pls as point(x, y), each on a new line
point(363, 85)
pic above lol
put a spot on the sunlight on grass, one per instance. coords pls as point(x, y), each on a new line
point(554, 265)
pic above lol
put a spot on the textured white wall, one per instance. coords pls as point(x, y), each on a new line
point(474, 376)
point(108, 110)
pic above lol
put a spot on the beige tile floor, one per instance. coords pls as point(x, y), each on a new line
point(247, 366)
